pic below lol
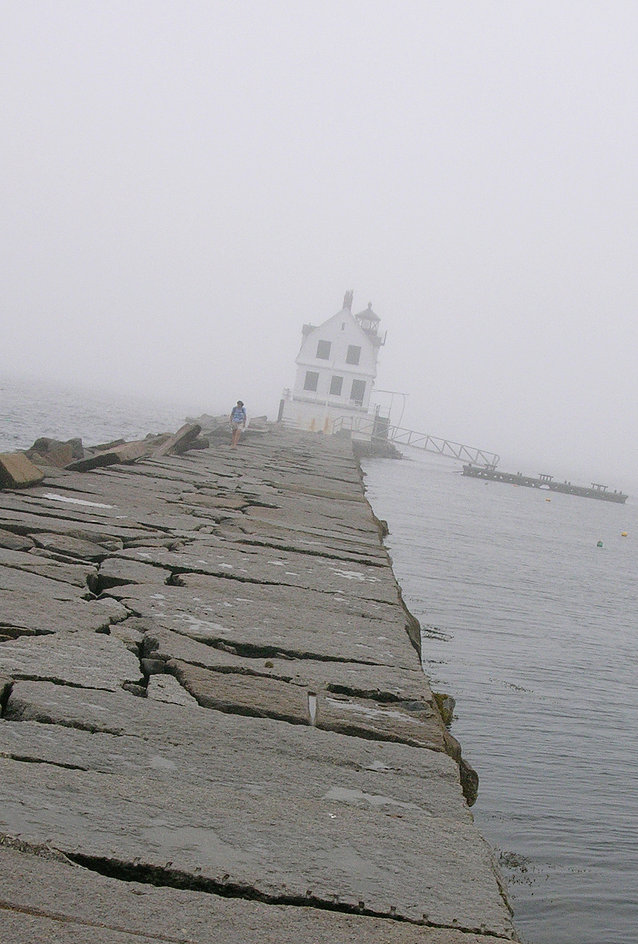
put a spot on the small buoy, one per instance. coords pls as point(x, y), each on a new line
point(600, 544)
point(623, 534)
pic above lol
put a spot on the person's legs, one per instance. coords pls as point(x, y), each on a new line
point(235, 439)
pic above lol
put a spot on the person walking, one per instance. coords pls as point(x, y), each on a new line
point(237, 422)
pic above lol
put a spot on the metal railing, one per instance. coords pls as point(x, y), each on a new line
point(400, 436)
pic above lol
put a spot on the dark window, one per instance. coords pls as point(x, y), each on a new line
point(323, 350)
point(335, 386)
point(358, 390)
point(353, 355)
point(312, 378)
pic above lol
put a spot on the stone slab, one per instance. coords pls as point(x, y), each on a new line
point(160, 788)
point(357, 816)
point(15, 542)
point(249, 532)
point(318, 492)
point(127, 452)
point(251, 565)
point(25, 522)
point(33, 604)
point(273, 619)
point(380, 682)
point(222, 501)
point(16, 471)
point(47, 898)
point(261, 696)
point(68, 546)
point(167, 689)
point(180, 440)
point(115, 572)
point(91, 660)
point(57, 454)
point(75, 574)
point(34, 582)
point(254, 695)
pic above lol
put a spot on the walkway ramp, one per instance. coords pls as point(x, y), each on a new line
point(379, 428)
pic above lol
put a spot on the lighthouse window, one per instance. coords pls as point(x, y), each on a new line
point(311, 381)
point(353, 355)
point(358, 391)
point(323, 350)
point(336, 383)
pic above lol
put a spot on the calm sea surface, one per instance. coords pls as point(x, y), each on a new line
point(534, 630)
point(31, 410)
point(528, 624)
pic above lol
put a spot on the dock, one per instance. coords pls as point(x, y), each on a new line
point(215, 725)
point(546, 482)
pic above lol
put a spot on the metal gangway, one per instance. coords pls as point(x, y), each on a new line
point(378, 428)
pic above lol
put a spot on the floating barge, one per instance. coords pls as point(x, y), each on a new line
point(545, 482)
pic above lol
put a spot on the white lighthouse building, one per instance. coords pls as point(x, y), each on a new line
point(336, 370)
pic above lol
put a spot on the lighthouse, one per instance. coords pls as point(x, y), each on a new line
point(336, 370)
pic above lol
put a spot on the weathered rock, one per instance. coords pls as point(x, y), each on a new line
point(288, 609)
point(166, 688)
point(15, 542)
point(247, 564)
point(6, 683)
point(363, 679)
point(354, 496)
point(41, 586)
point(128, 634)
point(25, 522)
point(33, 604)
point(181, 440)
point(261, 696)
point(200, 442)
point(16, 471)
point(262, 620)
point(90, 660)
point(104, 447)
point(48, 898)
point(242, 694)
point(216, 501)
point(59, 456)
point(67, 546)
point(128, 452)
point(33, 562)
point(99, 796)
point(56, 452)
point(115, 572)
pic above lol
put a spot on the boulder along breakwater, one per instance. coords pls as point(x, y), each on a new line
point(215, 725)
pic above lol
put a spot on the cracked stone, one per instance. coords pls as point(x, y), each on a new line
point(75, 574)
point(165, 688)
point(214, 797)
point(91, 660)
point(47, 898)
point(15, 542)
point(277, 619)
point(115, 571)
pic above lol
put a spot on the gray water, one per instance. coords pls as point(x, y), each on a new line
point(29, 410)
point(534, 630)
point(527, 623)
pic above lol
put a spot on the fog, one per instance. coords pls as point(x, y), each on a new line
point(186, 183)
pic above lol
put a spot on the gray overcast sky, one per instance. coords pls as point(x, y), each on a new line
point(185, 183)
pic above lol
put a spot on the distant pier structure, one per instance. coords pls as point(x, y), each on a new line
point(546, 482)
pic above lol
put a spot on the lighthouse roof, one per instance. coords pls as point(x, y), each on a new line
point(368, 314)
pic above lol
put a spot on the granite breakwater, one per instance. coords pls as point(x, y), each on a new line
point(215, 726)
